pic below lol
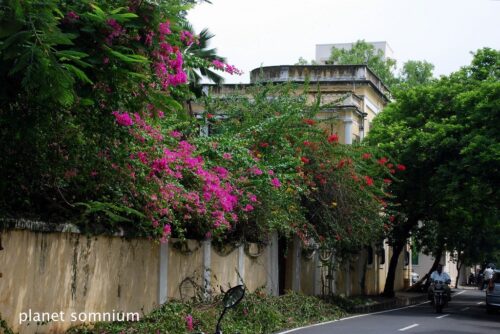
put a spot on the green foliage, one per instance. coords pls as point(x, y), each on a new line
point(363, 53)
point(257, 313)
point(416, 72)
point(65, 67)
point(447, 134)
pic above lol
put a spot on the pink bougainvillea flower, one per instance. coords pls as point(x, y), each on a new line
point(123, 119)
point(401, 167)
point(177, 79)
point(221, 172)
point(218, 64)
point(276, 183)
point(164, 28)
point(248, 208)
point(187, 37)
point(270, 172)
point(387, 181)
point(309, 121)
point(189, 323)
point(175, 134)
point(255, 171)
point(366, 156)
point(167, 230)
point(305, 160)
point(232, 70)
point(227, 156)
point(252, 198)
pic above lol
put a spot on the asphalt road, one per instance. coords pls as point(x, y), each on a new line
point(465, 314)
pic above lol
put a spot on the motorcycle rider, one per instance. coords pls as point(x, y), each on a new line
point(488, 275)
point(440, 275)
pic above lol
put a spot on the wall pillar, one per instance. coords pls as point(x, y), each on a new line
point(273, 266)
point(317, 274)
point(297, 250)
point(207, 262)
point(163, 274)
point(241, 264)
point(348, 130)
point(348, 285)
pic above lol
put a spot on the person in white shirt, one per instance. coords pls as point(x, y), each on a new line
point(440, 275)
point(487, 276)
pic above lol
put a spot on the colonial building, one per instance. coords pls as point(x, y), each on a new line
point(356, 94)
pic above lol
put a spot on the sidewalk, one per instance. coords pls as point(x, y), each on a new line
point(400, 300)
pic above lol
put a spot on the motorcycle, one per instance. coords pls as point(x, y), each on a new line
point(440, 297)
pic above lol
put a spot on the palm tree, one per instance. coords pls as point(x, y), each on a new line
point(201, 54)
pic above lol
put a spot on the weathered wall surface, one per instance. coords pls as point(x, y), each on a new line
point(76, 274)
point(350, 277)
point(67, 272)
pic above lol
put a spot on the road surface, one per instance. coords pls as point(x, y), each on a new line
point(465, 314)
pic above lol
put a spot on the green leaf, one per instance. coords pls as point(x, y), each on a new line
point(131, 58)
point(87, 102)
point(19, 36)
point(22, 62)
point(78, 73)
point(59, 38)
point(98, 11)
point(71, 54)
point(8, 28)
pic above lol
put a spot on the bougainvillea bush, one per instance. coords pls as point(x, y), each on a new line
point(332, 195)
point(94, 129)
point(92, 118)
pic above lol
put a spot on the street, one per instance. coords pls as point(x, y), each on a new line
point(466, 313)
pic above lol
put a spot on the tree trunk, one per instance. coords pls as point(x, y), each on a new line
point(437, 259)
point(459, 268)
point(393, 264)
point(403, 235)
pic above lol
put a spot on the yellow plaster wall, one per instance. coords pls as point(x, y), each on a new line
point(65, 272)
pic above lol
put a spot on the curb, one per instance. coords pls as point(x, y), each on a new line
point(389, 304)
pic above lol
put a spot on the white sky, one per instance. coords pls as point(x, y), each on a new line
point(251, 33)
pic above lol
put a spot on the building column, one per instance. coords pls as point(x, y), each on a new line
point(348, 130)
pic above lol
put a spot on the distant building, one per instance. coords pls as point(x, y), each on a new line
point(323, 51)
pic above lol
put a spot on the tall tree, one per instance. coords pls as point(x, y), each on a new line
point(416, 72)
point(447, 133)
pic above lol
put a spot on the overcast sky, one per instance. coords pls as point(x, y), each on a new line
point(251, 33)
